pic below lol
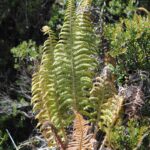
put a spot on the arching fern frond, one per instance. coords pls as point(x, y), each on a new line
point(103, 89)
point(84, 50)
point(44, 85)
point(110, 112)
point(40, 110)
point(106, 103)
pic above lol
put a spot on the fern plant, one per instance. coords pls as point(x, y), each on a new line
point(63, 81)
point(64, 77)
point(63, 89)
point(106, 104)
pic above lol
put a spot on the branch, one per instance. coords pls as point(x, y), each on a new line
point(13, 142)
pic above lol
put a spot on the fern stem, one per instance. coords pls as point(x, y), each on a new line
point(58, 139)
point(72, 63)
point(13, 142)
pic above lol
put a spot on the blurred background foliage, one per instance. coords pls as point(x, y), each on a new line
point(20, 21)
point(116, 21)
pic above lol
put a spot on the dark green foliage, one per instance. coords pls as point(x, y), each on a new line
point(14, 124)
point(23, 17)
point(3, 138)
point(145, 4)
point(114, 9)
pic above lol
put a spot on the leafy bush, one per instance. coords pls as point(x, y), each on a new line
point(129, 41)
point(128, 137)
point(25, 53)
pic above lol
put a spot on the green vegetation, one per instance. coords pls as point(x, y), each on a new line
point(25, 53)
point(63, 83)
point(133, 37)
point(87, 87)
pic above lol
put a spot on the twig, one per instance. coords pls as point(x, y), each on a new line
point(25, 114)
point(13, 142)
point(103, 143)
point(31, 143)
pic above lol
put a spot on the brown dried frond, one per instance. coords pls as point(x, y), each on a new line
point(133, 101)
point(81, 139)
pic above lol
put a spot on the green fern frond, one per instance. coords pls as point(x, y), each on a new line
point(109, 116)
point(83, 55)
point(47, 82)
point(110, 112)
point(62, 63)
point(39, 109)
point(73, 60)
point(103, 89)
point(43, 90)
